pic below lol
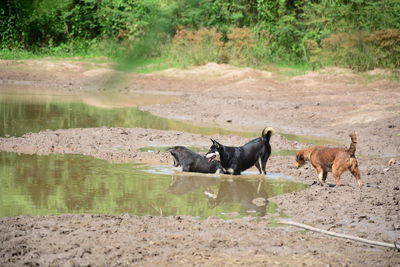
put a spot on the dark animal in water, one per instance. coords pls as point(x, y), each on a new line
point(189, 161)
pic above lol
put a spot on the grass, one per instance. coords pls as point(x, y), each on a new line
point(144, 65)
point(17, 54)
point(6, 54)
point(310, 140)
point(293, 70)
point(370, 78)
point(286, 71)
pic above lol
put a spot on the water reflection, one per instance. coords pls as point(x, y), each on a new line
point(181, 184)
point(250, 195)
point(56, 184)
point(21, 114)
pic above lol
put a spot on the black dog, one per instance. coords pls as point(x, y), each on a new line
point(237, 159)
point(190, 161)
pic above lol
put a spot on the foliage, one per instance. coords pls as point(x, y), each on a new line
point(358, 50)
point(240, 47)
point(245, 32)
point(196, 47)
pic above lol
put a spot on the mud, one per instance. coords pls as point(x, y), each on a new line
point(329, 103)
point(121, 144)
point(82, 240)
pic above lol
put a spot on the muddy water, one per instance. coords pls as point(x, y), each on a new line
point(56, 184)
point(23, 113)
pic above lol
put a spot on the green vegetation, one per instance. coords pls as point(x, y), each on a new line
point(359, 34)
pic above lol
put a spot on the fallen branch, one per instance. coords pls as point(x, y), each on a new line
point(371, 242)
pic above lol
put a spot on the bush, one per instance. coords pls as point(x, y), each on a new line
point(196, 47)
point(387, 47)
point(359, 50)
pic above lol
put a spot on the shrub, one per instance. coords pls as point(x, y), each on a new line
point(196, 47)
point(387, 46)
point(359, 50)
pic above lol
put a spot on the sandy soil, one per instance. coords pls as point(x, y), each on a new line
point(329, 103)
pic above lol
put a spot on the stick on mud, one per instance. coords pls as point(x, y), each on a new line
point(363, 240)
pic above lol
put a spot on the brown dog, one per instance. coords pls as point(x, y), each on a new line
point(336, 160)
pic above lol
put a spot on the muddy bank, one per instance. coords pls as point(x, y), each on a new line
point(122, 144)
point(371, 211)
point(84, 240)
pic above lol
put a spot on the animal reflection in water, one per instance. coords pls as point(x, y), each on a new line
point(251, 194)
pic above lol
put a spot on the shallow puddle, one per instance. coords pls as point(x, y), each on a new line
point(102, 99)
point(26, 111)
point(23, 113)
point(56, 184)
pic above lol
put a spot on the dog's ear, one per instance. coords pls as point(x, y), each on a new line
point(215, 143)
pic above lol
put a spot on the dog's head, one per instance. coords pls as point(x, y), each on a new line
point(214, 151)
point(300, 160)
point(175, 152)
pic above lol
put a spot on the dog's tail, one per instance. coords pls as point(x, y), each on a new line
point(352, 148)
point(267, 133)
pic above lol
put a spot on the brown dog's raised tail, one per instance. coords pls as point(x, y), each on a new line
point(352, 148)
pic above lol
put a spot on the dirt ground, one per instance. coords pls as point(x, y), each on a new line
point(329, 103)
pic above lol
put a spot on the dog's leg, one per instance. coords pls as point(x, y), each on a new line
point(265, 160)
point(320, 173)
point(337, 172)
point(258, 166)
point(324, 175)
point(337, 178)
point(320, 177)
point(261, 168)
point(356, 173)
point(338, 168)
point(264, 163)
